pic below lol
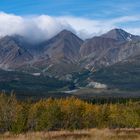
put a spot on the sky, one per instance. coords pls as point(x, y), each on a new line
point(42, 19)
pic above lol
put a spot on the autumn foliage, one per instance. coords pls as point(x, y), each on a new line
point(70, 113)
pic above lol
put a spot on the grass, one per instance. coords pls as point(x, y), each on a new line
point(93, 134)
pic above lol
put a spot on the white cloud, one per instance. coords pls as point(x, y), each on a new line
point(44, 26)
point(134, 30)
point(10, 24)
point(33, 27)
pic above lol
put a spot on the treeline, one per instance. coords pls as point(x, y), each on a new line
point(70, 113)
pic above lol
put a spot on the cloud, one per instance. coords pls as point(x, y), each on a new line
point(40, 27)
point(33, 27)
point(87, 28)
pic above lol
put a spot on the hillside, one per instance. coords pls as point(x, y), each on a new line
point(124, 75)
point(27, 85)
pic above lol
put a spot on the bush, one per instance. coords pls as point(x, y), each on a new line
point(70, 113)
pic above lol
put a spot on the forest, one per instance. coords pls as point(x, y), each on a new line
point(68, 113)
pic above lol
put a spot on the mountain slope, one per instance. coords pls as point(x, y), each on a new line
point(109, 49)
point(65, 45)
point(27, 85)
point(119, 35)
point(60, 55)
point(123, 75)
point(12, 53)
point(60, 52)
point(93, 50)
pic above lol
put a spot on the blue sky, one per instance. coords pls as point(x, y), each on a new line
point(84, 8)
point(85, 17)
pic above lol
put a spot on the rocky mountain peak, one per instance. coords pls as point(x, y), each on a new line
point(119, 35)
point(65, 34)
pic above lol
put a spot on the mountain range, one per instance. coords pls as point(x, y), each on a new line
point(66, 53)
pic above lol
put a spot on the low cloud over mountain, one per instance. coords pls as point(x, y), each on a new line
point(42, 27)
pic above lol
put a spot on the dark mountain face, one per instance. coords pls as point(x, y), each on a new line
point(66, 53)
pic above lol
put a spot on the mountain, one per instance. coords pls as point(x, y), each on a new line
point(123, 75)
point(66, 53)
point(109, 48)
point(64, 46)
point(60, 54)
point(119, 35)
point(67, 62)
point(93, 50)
point(12, 53)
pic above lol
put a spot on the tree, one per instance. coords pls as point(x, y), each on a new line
point(9, 109)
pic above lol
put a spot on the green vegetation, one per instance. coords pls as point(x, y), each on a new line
point(27, 85)
point(125, 75)
point(70, 114)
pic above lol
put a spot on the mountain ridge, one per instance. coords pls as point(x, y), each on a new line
point(119, 34)
point(66, 53)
